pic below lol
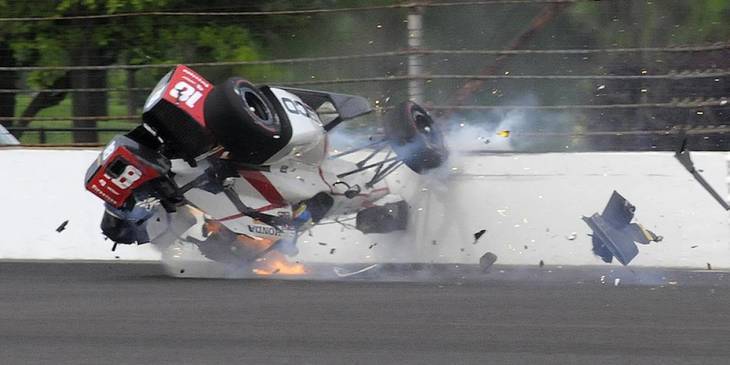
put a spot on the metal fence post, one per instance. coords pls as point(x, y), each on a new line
point(415, 59)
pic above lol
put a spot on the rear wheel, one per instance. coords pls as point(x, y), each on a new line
point(245, 121)
point(415, 137)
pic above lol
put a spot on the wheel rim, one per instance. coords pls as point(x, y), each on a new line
point(257, 108)
point(424, 126)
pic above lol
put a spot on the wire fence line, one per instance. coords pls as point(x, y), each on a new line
point(399, 53)
point(408, 5)
point(99, 118)
point(673, 132)
point(668, 76)
point(389, 72)
point(677, 103)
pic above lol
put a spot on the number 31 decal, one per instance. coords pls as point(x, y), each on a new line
point(184, 92)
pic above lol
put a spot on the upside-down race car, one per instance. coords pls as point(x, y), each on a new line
point(249, 169)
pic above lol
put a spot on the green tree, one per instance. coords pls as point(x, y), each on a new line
point(108, 41)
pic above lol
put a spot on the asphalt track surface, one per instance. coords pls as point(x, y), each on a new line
point(116, 313)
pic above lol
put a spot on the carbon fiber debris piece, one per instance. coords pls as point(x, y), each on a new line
point(613, 233)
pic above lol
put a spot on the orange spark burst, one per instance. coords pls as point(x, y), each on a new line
point(212, 227)
point(276, 264)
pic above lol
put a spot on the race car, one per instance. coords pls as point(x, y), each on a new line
point(240, 170)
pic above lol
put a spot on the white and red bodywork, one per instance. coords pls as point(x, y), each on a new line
point(297, 172)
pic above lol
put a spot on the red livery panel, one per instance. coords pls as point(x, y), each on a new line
point(188, 90)
point(119, 174)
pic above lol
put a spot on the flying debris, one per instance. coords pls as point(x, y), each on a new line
point(542, 263)
point(613, 233)
point(343, 274)
point(62, 227)
point(479, 235)
point(682, 155)
point(487, 260)
point(505, 133)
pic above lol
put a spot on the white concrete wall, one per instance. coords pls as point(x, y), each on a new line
point(533, 201)
point(530, 204)
point(39, 189)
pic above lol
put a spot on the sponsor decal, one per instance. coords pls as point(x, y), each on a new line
point(187, 90)
point(271, 231)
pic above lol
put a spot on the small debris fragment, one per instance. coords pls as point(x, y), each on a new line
point(182, 271)
point(616, 281)
point(487, 260)
point(694, 246)
point(525, 247)
point(505, 133)
point(542, 263)
point(276, 271)
point(433, 242)
point(709, 267)
point(672, 283)
point(572, 236)
point(479, 235)
point(462, 250)
point(332, 251)
point(322, 243)
point(343, 274)
point(373, 245)
point(62, 226)
point(614, 236)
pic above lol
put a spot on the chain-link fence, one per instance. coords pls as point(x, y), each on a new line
point(560, 75)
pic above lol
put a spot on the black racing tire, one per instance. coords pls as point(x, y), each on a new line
point(245, 121)
point(415, 137)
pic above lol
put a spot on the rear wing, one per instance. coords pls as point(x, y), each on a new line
point(333, 108)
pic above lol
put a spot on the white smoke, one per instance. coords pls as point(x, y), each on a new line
point(481, 133)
